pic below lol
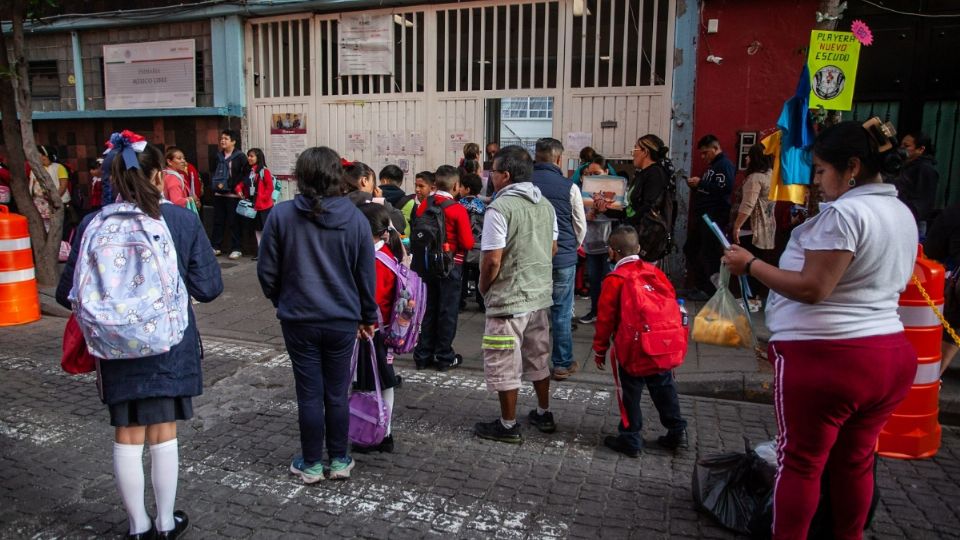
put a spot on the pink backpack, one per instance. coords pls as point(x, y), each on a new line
point(401, 332)
point(369, 414)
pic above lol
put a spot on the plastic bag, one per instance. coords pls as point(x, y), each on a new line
point(733, 488)
point(722, 321)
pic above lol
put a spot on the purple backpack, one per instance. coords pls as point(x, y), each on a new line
point(401, 332)
point(369, 414)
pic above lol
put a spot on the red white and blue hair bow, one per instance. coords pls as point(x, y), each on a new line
point(126, 143)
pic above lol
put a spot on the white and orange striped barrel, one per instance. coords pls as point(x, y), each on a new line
point(913, 430)
point(19, 301)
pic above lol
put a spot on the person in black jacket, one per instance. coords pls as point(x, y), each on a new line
point(943, 245)
point(232, 168)
point(146, 396)
point(917, 185)
point(711, 196)
point(391, 182)
point(316, 265)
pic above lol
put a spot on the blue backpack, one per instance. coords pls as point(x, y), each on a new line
point(128, 297)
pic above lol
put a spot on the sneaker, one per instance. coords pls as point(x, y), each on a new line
point(386, 445)
point(340, 468)
point(234, 255)
point(446, 366)
point(573, 367)
point(309, 474)
point(561, 374)
point(617, 445)
point(424, 364)
point(544, 422)
point(216, 252)
point(589, 318)
point(496, 432)
point(755, 304)
point(674, 440)
point(180, 521)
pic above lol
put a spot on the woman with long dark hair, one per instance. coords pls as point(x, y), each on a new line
point(842, 361)
point(316, 265)
point(146, 396)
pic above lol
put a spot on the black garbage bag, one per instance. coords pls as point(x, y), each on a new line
point(733, 487)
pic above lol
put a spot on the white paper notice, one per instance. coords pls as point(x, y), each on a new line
point(456, 140)
point(288, 137)
point(576, 141)
point(366, 44)
point(156, 74)
point(416, 143)
point(356, 141)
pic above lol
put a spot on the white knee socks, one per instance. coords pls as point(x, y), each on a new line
point(164, 470)
point(128, 473)
point(388, 399)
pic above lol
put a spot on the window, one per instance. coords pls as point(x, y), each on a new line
point(44, 79)
point(521, 108)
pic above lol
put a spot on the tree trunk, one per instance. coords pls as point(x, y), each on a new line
point(46, 244)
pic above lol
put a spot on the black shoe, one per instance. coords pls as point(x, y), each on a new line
point(386, 445)
point(455, 363)
point(182, 522)
point(674, 440)
point(697, 295)
point(424, 365)
point(589, 318)
point(496, 432)
point(544, 422)
point(148, 535)
point(617, 445)
point(399, 382)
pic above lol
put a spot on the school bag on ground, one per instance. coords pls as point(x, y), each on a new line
point(650, 338)
point(401, 332)
point(428, 239)
point(128, 296)
point(369, 414)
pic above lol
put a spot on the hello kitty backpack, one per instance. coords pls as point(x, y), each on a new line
point(128, 297)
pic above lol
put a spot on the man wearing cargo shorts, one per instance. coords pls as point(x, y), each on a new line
point(519, 241)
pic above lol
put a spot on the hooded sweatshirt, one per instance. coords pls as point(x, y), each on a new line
point(917, 186)
point(522, 223)
point(319, 269)
point(391, 193)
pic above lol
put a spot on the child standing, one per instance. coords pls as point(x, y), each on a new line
point(261, 187)
point(386, 240)
point(439, 325)
point(96, 185)
point(468, 192)
point(638, 299)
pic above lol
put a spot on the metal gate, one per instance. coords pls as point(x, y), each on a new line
point(607, 65)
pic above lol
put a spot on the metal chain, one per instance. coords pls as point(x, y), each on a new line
point(923, 292)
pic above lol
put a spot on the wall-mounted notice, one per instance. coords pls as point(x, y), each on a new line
point(416, 143)
point(456, 140)
point(356, 141)
point(366, 44)
point(151, 75)
point(288, 137)
point(576, 141)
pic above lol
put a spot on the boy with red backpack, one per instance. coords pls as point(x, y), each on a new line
point(639, 311)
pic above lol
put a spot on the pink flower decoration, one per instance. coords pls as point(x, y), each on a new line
point(862, 32)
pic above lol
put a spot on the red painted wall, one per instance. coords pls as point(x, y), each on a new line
point(746, 92)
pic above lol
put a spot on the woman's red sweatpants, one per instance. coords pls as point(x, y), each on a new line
point(832, 399)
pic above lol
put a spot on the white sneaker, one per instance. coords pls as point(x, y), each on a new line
point(234, 255)
point(216, 252)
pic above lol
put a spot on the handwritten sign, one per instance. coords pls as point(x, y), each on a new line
point(832, 60)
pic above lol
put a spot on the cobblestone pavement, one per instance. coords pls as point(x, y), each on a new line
point(441, 482)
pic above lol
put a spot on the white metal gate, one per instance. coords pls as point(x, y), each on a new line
point(607, 63)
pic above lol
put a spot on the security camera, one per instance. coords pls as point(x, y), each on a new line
point(715, 59)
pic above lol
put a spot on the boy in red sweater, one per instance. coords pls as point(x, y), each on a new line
point(623, 250)
point(439, 325)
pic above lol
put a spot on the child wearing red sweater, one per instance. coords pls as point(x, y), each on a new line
point(439, 325)
point(387, 240)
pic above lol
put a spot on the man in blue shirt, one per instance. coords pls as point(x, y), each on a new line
point(710, 195)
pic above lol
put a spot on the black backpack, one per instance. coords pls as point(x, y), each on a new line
point(655, 228)
point(428, 236)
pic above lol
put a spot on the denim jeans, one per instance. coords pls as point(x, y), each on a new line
point(598, 266)
point(225, 215)
point(321, 370)
point(663, 392)
point(439, 325)
point(560, 323)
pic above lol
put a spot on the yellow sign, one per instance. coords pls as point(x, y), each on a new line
point(832, 61)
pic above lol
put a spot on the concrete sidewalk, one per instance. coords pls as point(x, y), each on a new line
point(243, 313)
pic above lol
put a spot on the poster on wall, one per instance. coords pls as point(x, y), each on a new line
point(151, 75)
point(366, 44)
point(288, 137)
point(832, 61)
point(576, 141)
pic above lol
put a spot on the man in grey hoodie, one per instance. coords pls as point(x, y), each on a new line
point(519, 242)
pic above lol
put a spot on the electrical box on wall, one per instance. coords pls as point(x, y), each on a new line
point(713, 26)
point(745, 139)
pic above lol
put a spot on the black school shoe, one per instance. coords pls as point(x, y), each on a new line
point(386, 445)
point(148, 535)
point(495, 431)
point(544, 422)
point(674, 440)
point(445, 366)
point(617, 445)
point(182, 522)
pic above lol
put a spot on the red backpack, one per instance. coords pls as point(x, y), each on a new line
point(650, 338)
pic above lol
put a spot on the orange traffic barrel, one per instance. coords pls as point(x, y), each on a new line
point(19, 300)
point(913, 430)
